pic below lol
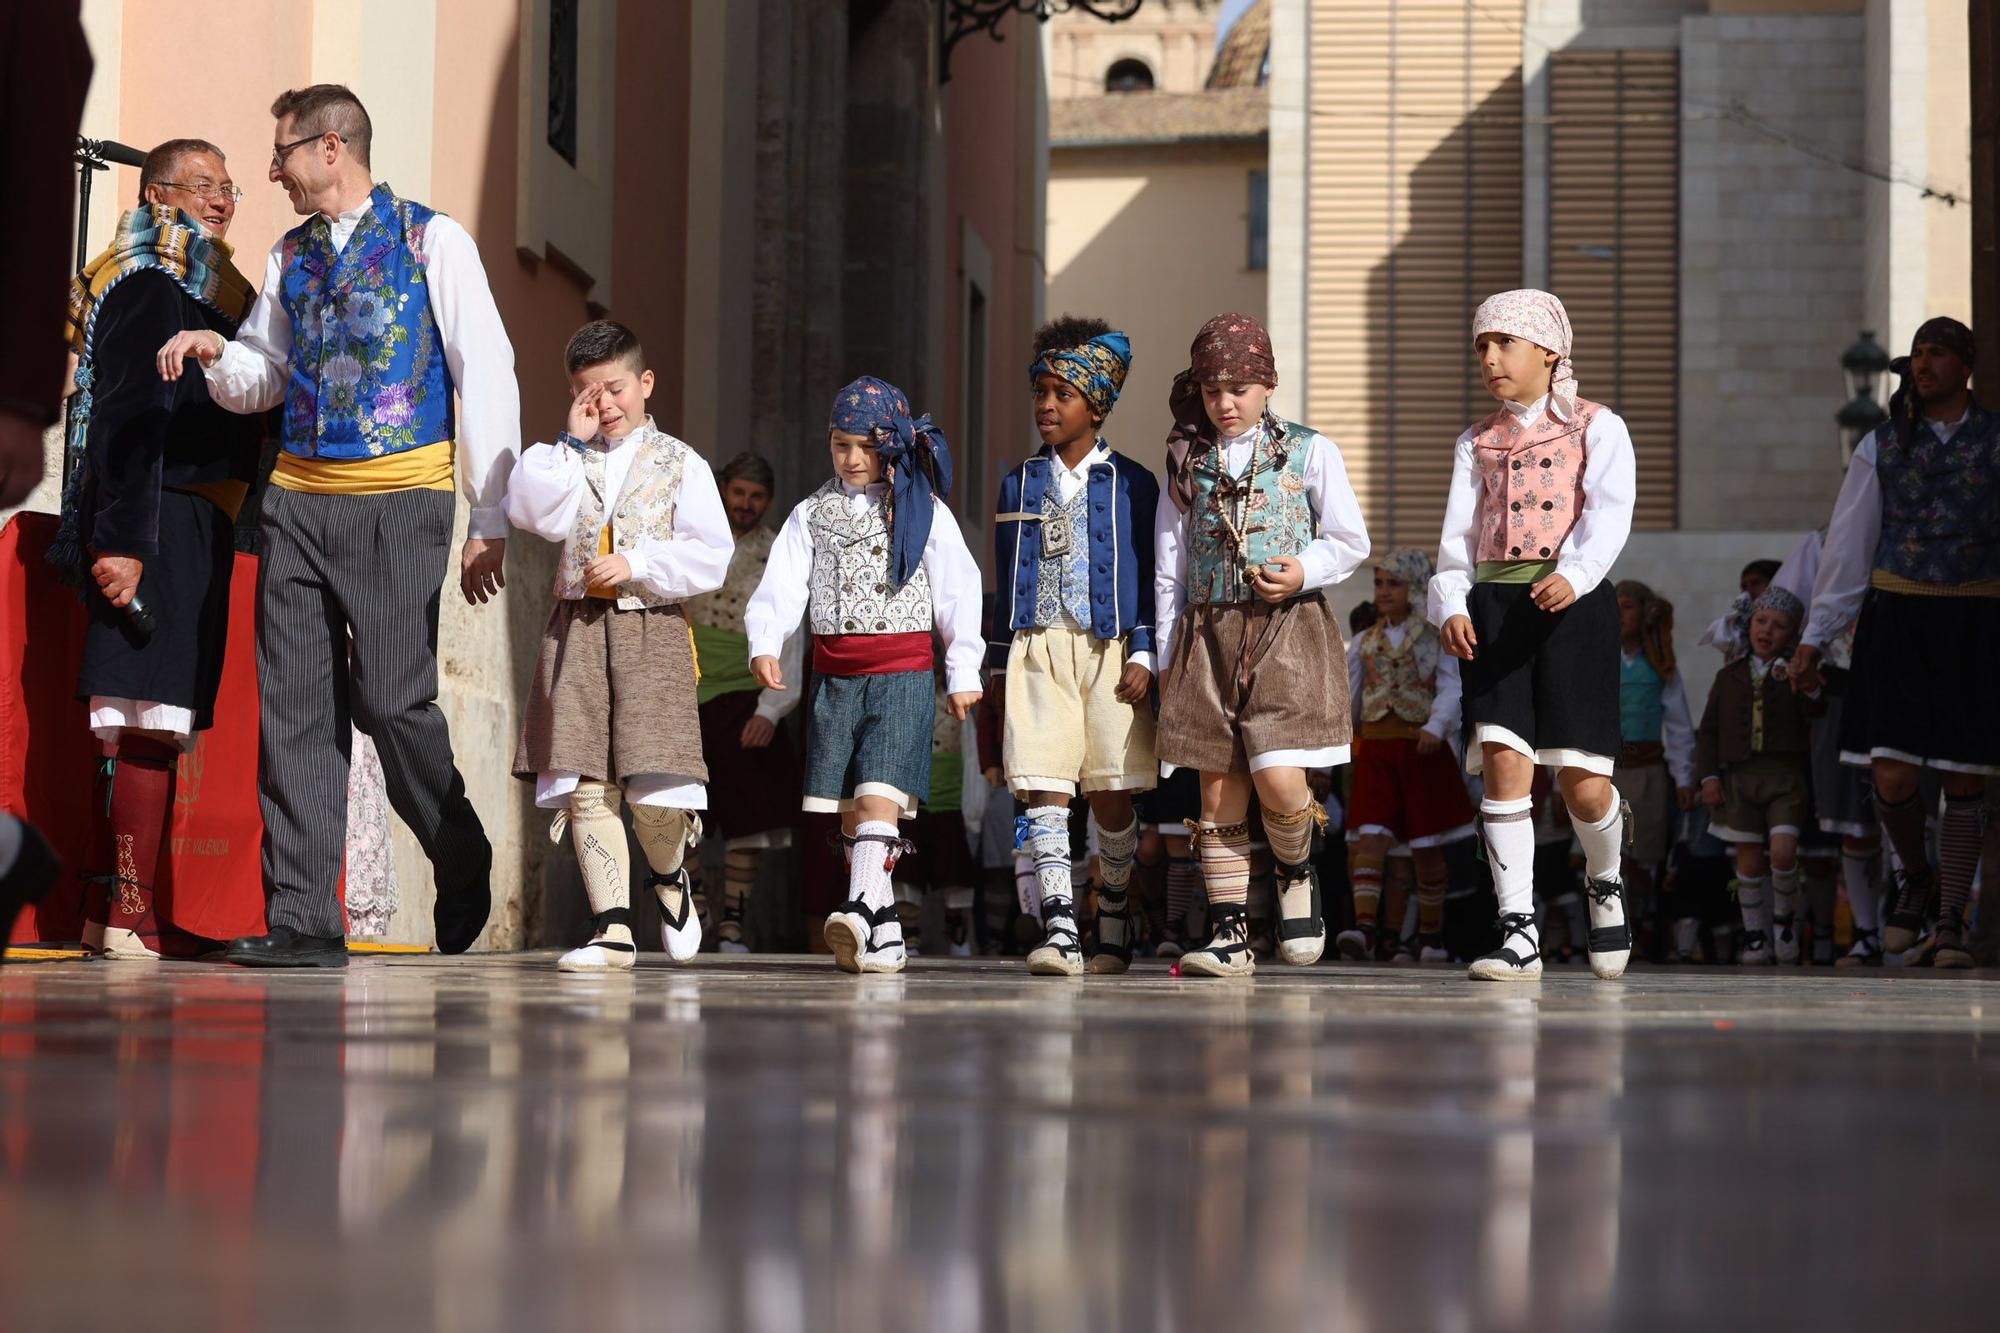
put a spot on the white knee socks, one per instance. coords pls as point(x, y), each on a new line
point(598, 837)
point(868, 873)
point(1510, 852)
point(1602, 841)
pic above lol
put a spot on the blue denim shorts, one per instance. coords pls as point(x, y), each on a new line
point(870, 736)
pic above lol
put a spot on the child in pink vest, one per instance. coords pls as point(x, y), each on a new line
point(1539, 508)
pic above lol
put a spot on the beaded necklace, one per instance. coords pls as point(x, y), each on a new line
point(1236, 526)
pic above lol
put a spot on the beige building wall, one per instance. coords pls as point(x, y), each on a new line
point(1153, 239)
point(1175, 39)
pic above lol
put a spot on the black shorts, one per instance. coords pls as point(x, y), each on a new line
point(1921, 688)
point(186, 587)
point(1552, 680)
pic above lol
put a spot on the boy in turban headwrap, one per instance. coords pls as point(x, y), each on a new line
point(1539, 507)
point(1256, 519)
point(874, 561)
point(1074, 547)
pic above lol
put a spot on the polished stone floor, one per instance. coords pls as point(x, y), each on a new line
point(485, 1144)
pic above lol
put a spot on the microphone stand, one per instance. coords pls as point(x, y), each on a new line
point(89, 158)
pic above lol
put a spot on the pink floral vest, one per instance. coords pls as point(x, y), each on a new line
point(1531, 482)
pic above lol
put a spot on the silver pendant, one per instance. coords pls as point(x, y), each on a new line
point(1055, 537)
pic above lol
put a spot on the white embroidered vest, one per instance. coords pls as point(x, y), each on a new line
point(723, 608)
point(645, 509)
point(1397, 680)
point(850, 591)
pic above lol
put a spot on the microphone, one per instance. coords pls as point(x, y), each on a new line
point(110, 150)
point(140, 616)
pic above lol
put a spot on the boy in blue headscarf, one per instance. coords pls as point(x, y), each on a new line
point(874, 560)
point(1075, 572)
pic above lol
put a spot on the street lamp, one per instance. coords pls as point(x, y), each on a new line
point(1863, 364)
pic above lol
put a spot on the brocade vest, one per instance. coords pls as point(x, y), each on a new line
point(1400, 680)
point(1941, 502)
point(367, 366)
point(723, 608)
point(850, 592)
point(1531, 482)
point(1062, 589)
point(1277, 519)
point(643, 509)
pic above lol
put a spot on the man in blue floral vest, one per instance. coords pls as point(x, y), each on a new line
point(374, 312)
point(1912, 562)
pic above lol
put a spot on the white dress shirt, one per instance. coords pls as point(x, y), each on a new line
point(548, 487)
point(252, 372)
point(1443, 721)
point(1851, 538)
point(1337, 551)
point(1610, 485)
point(779, 603)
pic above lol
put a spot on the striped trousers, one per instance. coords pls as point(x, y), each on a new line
point(347, 628)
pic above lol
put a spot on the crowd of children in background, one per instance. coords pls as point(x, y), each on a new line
point(1143, 743)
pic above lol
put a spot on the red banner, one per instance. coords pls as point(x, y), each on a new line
point(211, 880)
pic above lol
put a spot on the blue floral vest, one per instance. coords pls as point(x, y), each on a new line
point(1642, 701)
point(1064, 582)
point(1941, 502)
point(1278, 520)
point(368, 374)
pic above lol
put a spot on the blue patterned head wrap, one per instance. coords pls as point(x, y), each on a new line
point(1096, 369)
point(915, 455)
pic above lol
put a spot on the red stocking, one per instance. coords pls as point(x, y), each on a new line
point(142, 802)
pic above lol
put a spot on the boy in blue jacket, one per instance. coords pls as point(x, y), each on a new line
point(1074, 541)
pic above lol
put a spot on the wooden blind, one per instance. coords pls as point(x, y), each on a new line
point(1614, 247)
point(1413, 217)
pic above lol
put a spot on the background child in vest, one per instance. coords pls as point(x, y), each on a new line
point(874, 561)
point(753, 765)
point(940, 863)
point(1075, 560)
point(1257, 517)
point(1655, 772)
point(1751, 750)
point(1406, 784)
point(613, 702)
point(1540, 506)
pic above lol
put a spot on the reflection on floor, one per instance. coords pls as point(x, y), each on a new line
point(478, 1144)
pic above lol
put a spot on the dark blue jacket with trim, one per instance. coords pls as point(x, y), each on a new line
point(1123, 496)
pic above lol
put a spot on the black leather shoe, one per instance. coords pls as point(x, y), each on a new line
point(35, 868)
point(285, 947)
point(463, 903)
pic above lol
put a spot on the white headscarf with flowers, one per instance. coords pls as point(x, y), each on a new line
point(1540, 318)
point(1414, 567)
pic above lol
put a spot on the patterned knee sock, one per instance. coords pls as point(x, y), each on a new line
point(1959, 845)
point(1864, 896)
point(1785, 892)
point(1027, 889)
point(1510, 852)
point(1115, 850)
point(1602, 840)
point(1048, 843)
point(869, 872)
point(1430, 911)
point(1180, 890)
point(1750, 902)
point(665, 835)
point(1225, 861)
point(1903, 824)
point(1290, 835)
point(739, 876)
point(142, 807)
point(1367, 888)
point(598, 836)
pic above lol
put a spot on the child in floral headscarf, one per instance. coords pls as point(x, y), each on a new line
point(1074, 543)
point(874, 561)
point(1406, 784)
point(1539, 507)
point(1256, 519)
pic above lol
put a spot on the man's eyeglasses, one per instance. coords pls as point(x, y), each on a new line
point(205, 190)
point(284, 150)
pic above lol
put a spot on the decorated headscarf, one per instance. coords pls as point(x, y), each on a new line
point(915, 455)
point(1414, 567)
point(1775, 598)
point(1541, 319)
point(1230, 349)
point(1096, 369)
point(1949, 334)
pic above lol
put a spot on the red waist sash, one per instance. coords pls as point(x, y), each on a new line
point(870, 654)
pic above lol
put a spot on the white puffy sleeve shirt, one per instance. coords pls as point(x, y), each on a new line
point(1337, 551)
point(1610, 487)
point(252, 372)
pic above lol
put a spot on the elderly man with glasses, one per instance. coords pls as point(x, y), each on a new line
point(377, 331)
point(149, 516)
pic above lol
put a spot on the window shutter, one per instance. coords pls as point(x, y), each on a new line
point(1614, 247)
point(1413, 217)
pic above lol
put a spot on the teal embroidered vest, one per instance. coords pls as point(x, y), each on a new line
point(1277, 520)
point(368, 374)
point(1642, 701)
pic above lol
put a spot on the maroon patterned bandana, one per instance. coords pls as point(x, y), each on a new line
point(1230, 349)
